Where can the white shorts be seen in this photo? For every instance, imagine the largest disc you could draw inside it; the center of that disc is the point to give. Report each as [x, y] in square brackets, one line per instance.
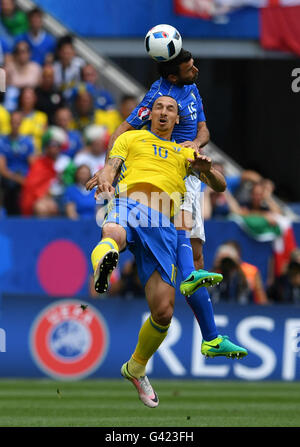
[193, 203]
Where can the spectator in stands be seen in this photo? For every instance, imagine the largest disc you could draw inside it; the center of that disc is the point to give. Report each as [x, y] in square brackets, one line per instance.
[85, 113]
[4, 121]
[93, 155]
[251, 272]
[5, 50]
[67, 68]
[14, 20]
[49, 97]
[127, 104]
[42, 45]
[79, 202]
[90, 81]
[216, 204]
[261, 201]
[42, 192]
[234, 287]
[220, 205]
[286, 287]
[34, 121]
[16, 155]
[21, 71]
[63, 118]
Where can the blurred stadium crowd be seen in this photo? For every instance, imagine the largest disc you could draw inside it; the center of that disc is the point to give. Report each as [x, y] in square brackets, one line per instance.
[55, 124]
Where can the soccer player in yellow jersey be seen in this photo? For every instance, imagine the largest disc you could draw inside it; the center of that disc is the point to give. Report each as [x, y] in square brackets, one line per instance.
[151, 183]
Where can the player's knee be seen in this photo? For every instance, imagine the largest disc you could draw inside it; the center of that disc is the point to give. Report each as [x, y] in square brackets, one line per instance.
[115, 232]
[163, 314]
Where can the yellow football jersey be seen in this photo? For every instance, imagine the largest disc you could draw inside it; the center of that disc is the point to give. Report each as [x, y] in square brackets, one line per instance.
[151, 159]
[34, 125]
[4, 121]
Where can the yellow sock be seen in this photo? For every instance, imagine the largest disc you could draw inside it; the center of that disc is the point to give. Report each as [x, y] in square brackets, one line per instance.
[151, 336]
[101, 249]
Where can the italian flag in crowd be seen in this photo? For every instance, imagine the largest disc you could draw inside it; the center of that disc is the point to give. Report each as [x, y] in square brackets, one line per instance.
[281, 235]
[279, 20]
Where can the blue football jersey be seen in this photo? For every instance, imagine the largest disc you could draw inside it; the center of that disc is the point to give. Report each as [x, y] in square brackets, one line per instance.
[190, 108]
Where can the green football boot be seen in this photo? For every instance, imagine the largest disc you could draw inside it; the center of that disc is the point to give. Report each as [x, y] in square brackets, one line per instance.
[197, 279]
[222, 346]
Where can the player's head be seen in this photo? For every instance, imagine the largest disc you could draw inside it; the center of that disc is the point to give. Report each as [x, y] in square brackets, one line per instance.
[164, 115]
[180, 70]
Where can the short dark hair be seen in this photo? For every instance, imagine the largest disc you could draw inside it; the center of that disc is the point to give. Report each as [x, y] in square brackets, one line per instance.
[173, 66]
[34, 11]
[64, 40]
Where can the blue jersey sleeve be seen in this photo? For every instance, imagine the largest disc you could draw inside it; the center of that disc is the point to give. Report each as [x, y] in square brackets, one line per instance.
[140, 115]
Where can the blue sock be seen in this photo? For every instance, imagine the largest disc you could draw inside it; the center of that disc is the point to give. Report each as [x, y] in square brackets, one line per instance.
[185, 259]
[201, 305]
[199, 302]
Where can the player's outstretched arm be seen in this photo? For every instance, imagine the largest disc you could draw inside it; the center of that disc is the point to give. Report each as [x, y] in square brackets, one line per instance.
[104, 178]
[207, 173]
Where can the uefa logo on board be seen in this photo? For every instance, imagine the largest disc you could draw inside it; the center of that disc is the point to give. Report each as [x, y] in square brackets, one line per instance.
[69, 339]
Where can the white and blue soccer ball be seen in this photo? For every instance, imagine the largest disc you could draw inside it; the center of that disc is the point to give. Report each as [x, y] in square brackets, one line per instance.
[163, 43]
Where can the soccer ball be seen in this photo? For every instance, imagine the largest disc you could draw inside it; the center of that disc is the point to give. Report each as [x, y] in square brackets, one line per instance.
[163, 43]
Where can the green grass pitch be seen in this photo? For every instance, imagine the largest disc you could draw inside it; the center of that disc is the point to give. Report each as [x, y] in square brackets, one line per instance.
[114, 403]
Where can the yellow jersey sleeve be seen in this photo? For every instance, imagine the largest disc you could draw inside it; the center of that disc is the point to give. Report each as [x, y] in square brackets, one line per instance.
[120, 147]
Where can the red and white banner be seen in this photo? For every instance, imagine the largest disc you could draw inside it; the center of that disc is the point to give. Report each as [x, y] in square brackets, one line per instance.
[279, 19]
[280, 26]
[207, 9]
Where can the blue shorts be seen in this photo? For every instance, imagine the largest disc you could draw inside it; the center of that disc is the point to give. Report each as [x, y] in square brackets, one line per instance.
[150, 235]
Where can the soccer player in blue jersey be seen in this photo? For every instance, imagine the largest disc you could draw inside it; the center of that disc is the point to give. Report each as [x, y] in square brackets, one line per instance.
[177, 79]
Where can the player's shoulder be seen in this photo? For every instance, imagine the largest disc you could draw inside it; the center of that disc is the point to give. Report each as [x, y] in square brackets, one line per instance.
[191, 88]
[160, 87]
[129, 136]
